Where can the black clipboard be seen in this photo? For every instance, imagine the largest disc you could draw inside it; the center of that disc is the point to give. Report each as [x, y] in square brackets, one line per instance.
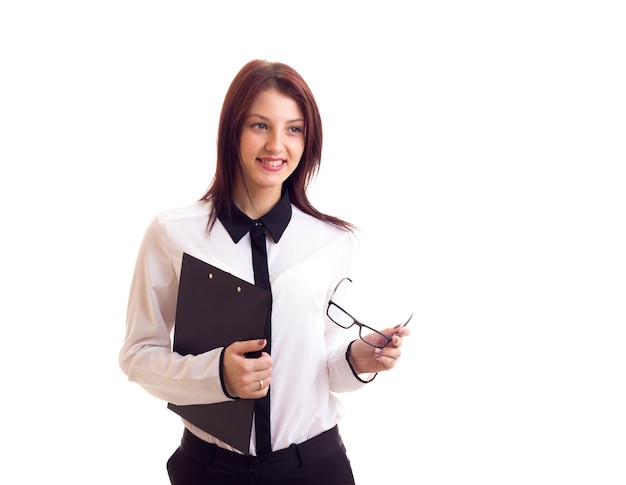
[214, 309]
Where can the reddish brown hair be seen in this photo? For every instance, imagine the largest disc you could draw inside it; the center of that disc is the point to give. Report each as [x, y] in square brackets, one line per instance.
[253, 78]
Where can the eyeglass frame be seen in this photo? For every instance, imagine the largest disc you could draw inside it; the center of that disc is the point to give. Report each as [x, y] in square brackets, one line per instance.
[356, 322]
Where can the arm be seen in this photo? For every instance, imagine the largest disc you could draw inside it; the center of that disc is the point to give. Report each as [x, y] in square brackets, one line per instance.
[146, 356]
[343, 376]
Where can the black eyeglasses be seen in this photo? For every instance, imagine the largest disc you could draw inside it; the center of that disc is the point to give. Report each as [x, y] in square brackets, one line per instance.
[342, 318]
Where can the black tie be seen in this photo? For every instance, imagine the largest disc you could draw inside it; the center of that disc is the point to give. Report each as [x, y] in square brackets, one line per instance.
[262, 279]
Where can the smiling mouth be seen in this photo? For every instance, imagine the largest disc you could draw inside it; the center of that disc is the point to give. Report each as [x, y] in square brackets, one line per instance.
[271, 163]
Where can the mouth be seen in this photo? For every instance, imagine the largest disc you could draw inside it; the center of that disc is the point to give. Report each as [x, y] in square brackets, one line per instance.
[271, 162]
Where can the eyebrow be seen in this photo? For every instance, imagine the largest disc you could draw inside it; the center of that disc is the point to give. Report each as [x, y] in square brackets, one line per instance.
[265, 118]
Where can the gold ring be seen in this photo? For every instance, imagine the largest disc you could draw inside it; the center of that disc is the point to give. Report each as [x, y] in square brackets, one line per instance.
[260, 383]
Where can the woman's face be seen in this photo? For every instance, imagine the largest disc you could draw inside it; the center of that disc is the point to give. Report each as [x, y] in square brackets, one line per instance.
[271, 143]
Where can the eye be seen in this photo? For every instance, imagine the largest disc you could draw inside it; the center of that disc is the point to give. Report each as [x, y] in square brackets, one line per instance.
[259, 125]
[295, 129]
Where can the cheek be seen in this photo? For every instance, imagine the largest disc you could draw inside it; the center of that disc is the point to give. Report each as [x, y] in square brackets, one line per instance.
[251, 143]
[297, 150]
[245, 144]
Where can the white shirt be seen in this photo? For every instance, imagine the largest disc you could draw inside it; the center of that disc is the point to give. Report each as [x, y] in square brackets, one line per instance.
[308, 350]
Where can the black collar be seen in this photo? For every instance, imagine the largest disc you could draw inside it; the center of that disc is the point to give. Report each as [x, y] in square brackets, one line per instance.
[275, 221]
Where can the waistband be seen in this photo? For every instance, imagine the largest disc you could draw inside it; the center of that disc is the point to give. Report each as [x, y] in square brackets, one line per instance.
[297, 455]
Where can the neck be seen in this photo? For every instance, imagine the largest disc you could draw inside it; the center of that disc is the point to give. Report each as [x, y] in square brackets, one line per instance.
[256, 205]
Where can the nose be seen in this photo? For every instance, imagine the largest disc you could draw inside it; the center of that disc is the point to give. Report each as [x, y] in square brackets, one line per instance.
[274, 142]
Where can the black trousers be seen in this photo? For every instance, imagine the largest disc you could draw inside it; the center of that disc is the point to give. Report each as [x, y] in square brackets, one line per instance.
[320, 460]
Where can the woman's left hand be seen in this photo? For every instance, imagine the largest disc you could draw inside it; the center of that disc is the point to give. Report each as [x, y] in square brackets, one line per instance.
[365, 358]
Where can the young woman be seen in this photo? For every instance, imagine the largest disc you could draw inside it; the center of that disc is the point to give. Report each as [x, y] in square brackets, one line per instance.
[269, 148]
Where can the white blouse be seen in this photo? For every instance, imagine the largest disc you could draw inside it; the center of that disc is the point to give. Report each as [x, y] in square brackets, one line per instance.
[308, 350]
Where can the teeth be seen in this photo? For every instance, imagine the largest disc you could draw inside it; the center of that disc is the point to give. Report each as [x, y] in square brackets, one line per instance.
[273, 163]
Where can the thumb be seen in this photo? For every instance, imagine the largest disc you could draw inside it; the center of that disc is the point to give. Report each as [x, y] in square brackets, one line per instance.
[246, 346]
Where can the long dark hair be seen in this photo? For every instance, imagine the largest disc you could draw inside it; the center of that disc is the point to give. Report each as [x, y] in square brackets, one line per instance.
[253, 78]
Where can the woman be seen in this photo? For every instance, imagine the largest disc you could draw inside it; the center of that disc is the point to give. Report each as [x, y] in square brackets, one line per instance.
[269, 148]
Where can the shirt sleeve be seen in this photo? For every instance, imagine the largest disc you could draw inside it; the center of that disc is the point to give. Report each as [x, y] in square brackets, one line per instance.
[342, 377]
[146, 356]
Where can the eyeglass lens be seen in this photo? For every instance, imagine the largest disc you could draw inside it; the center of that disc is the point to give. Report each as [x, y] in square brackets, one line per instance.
[339, 316]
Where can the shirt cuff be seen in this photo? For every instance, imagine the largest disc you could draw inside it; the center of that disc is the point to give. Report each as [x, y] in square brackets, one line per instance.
[352, 368]
[222, 376]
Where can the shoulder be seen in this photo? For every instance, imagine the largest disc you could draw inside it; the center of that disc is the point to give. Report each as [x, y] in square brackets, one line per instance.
[174, 231]
[189, 213]
[180, 222]
[317, 230]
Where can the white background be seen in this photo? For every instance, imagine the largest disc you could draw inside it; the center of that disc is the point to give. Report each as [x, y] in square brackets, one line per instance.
[478, 145]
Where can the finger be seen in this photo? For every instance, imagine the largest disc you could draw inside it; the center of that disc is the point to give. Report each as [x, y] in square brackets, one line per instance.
[397, 330]
[262, 365]
[404, 331]
[247, 346]
[385, 360]
[389, 351]
[396, 341]
[261, 386]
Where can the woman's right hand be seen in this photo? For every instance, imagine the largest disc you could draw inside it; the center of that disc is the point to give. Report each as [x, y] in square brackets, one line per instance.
[245, 377]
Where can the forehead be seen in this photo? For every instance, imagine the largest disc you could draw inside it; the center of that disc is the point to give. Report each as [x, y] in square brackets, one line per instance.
[273, 103]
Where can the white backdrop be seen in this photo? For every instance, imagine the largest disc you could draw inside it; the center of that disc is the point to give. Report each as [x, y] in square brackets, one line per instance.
[478, 145]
